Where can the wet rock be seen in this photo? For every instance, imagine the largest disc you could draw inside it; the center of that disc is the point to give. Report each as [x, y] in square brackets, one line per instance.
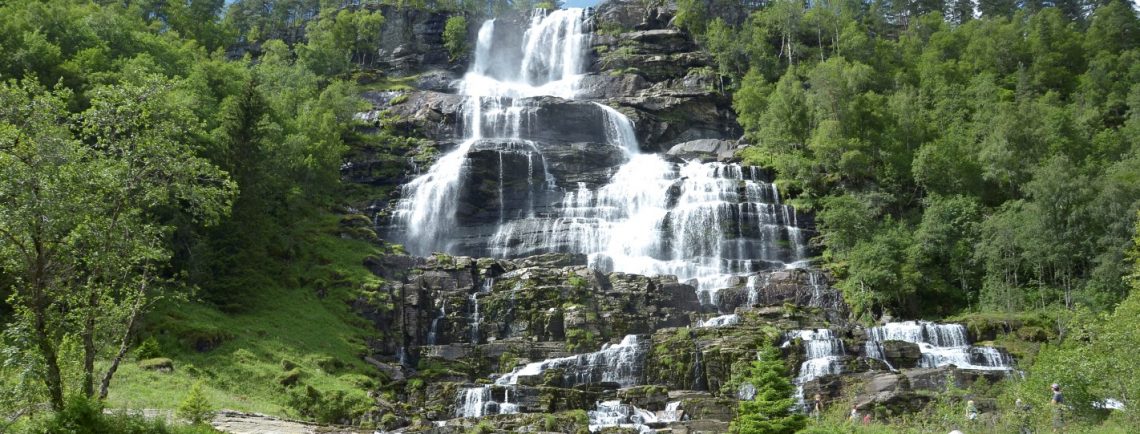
[704, 150]
[901, 354]
[437, 80]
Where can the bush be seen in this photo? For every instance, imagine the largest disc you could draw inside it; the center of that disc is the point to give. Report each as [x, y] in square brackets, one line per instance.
[148, 349]
[455, 36]
[196, 408]
[483, 427]
[334, 406]
[84, 416]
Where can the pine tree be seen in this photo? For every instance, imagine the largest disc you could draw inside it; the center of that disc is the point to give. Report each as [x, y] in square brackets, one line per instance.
[196, 408]
[770, 411]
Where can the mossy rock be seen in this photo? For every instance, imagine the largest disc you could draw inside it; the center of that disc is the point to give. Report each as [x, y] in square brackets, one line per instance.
[1033, 334]
[290, 378]
[160, 364]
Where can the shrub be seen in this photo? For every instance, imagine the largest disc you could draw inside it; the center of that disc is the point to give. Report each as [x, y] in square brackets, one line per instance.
[196, 408]
[148, 349]
[329, 406]
[455, 36]
[84, 416]
[483, 427]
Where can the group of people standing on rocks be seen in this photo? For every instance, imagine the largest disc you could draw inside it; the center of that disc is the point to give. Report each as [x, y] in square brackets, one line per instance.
[1022, 411]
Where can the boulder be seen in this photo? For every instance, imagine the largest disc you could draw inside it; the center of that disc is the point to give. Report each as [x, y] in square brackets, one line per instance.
[704, 150]
[901, 354]
[437, 80]
[659, 41]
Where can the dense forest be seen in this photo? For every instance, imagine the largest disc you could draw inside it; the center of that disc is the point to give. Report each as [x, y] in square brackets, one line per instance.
[965, 162]
[959, 158]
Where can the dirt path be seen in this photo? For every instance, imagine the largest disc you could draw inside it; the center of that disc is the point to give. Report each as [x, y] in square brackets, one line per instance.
[234, 422]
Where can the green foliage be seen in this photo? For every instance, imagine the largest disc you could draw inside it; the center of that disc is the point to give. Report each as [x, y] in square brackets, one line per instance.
[196, 407]
[149, 349]
[691, 15]
[84, 416]
[455, 36]
[771, 409]
[483, 427]
[941, 168]
[332, 406]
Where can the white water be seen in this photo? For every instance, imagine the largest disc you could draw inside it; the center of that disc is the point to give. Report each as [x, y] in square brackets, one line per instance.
[823, 354]
[703, 221]
[615, 414]
[553, 62]
[621, 363]
[720, 321]
[433, 335]
[940, 344]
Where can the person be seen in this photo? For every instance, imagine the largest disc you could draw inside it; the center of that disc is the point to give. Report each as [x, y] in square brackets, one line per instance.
[1058, 404]
[817, 407]
[854, 414]
[971, 410]
[867, 419]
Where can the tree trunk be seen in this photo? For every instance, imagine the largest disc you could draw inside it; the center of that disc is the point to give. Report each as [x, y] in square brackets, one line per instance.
[89, 349]
[124, 343]
[52, 377]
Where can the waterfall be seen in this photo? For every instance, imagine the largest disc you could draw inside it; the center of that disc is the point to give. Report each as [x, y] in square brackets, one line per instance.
[672, 412]
[940, 344]
[702, 221]
[621, 363]
[433, 335]
[823, 354]
[720, 321]
[615, 414]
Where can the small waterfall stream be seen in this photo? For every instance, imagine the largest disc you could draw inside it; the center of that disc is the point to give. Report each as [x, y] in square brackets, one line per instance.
[621, 363]
[823, 354]
[940, 344]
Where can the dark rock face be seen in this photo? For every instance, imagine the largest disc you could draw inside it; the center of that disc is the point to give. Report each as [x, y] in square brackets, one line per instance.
[901, 354]
[662, 120]
[411, 40]
[704, 150]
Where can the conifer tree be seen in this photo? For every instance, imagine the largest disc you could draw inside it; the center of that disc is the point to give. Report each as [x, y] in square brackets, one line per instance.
[770, 410]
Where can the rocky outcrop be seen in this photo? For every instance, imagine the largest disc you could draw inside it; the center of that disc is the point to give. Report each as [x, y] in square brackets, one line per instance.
[704, 150]
[901, 354]
[411, 40]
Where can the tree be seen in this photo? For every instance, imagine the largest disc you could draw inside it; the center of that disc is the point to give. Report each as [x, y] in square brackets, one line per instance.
[455, 36]
[80, 213]
[195, 408]
[770, 411]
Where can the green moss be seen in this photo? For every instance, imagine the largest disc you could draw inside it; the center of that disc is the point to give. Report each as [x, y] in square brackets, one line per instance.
[157, 364]
[399, 99]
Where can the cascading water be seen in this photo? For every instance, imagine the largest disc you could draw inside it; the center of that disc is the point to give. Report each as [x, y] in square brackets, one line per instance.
[940, 344]
[621, 363]
[433, 335]
[703, 221]
[823, 354]
[720, 321]
[609, 414]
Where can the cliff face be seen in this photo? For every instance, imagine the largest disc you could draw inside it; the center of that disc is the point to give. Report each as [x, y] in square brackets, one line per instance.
[538, 340]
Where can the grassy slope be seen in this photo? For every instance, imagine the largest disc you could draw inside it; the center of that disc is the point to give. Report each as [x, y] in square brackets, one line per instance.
[322, 336]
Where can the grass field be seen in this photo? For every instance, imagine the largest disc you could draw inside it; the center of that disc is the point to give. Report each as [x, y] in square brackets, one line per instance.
[243, 358]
